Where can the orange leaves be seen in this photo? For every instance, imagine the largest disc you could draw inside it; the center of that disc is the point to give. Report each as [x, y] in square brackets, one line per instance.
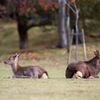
[27, 6]
[48, 5]
[24, 6]
[72, 1]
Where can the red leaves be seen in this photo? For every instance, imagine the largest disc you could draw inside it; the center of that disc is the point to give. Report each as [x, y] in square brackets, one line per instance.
[23, 6]
[48, 5]
[72, 1]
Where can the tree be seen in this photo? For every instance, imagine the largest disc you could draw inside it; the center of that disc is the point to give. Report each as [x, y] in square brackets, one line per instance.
[26, 10]
[64, 22]
[61, 24]
[31, 13]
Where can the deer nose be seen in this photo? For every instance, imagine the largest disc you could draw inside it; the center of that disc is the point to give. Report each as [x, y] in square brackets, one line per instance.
[5, 62]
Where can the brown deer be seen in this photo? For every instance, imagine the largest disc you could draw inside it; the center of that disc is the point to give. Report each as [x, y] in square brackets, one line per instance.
[84, 69]
[25, 72]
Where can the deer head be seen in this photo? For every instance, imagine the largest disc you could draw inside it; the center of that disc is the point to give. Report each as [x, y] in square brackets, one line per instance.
[97, 54]
[12, 59]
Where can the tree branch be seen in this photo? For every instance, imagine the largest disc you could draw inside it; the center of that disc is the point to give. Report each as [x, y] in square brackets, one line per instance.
[42, 23]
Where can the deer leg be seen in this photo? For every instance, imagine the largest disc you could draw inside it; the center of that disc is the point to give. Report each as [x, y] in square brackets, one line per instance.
[96, 76]
[92, 77]
[7, 77]
[20, 76]
[78, 75]
[44, 76]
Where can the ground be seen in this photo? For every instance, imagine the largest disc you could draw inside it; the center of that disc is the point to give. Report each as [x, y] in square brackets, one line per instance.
[54, 61]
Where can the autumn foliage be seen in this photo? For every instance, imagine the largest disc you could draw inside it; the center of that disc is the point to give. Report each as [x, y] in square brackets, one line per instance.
[48, 5]
[27, 6]
[72, 1]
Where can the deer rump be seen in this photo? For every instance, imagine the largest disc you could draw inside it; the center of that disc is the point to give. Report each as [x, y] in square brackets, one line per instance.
[31, 72]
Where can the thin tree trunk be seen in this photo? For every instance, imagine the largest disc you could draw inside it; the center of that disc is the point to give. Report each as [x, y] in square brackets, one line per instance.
[68, 27]
[83, 19]
[77, 30]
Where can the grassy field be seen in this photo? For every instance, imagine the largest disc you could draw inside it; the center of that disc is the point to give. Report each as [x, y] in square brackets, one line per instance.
[53, 60]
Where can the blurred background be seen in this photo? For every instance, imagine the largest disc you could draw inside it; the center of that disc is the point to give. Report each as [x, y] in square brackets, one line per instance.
[32, 24]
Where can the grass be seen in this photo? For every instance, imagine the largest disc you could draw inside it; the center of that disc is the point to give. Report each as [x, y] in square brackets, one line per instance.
[52, 89]
[53, 60]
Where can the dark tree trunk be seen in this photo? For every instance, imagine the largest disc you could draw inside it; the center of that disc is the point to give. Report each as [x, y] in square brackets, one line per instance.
[22, 31]
[80, 40]
[23, 28]
[23, 39]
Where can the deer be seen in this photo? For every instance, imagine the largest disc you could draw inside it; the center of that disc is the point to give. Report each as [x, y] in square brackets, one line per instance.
[84, 69]
[33, 71]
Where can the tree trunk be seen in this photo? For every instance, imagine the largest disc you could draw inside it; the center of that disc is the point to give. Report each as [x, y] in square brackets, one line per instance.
[23, 39]
[68, 27]
[22, 31]
[61, 25]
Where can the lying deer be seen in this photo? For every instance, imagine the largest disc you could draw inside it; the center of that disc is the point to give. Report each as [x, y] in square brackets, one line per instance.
[25, 72]
[84, 69]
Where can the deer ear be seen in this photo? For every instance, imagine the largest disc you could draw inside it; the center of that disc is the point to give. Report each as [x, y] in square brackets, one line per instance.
[17, 54]
[96, 52]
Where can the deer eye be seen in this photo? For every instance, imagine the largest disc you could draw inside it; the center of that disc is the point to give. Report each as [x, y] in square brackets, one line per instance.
[9, 58]
[14, 56]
